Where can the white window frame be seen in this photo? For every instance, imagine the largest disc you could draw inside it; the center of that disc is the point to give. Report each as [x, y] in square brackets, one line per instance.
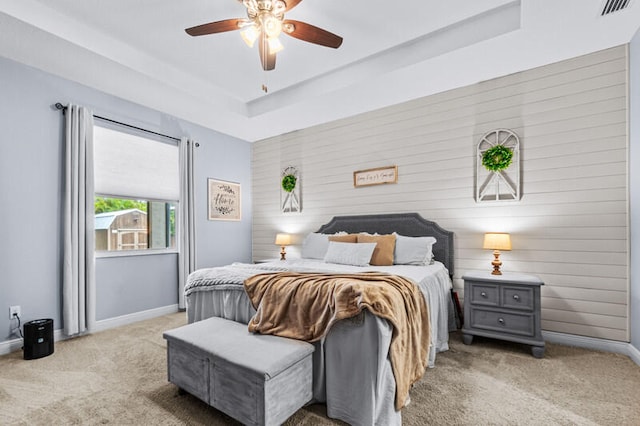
[142, 197]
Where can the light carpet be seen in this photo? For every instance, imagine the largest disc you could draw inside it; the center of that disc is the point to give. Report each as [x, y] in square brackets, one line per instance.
[119, 377]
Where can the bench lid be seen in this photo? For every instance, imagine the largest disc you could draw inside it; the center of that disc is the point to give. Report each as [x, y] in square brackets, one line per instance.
[264, 354]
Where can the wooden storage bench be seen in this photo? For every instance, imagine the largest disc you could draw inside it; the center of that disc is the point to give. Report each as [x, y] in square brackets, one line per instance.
[256, 379]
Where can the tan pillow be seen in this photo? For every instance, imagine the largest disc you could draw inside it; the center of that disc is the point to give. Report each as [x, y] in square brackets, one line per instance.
[383, 253]
[349, 238]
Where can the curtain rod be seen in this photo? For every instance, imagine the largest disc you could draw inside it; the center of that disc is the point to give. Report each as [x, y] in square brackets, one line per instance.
[63, 108]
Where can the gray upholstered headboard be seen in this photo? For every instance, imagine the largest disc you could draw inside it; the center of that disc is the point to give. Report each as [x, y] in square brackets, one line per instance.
[408, 224]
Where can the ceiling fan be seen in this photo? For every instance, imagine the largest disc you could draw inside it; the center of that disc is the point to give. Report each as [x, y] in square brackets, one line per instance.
[264, 23]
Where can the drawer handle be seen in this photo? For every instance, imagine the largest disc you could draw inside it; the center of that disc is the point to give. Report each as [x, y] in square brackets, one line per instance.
[516, 297]
[501, 321]
[483, 294]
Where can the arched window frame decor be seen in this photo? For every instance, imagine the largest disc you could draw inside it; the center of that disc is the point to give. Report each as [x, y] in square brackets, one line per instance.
[498, 185]
[290, 195]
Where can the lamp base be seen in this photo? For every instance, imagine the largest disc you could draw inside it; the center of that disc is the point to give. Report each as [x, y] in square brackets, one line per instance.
[283, 254]
[496, 263]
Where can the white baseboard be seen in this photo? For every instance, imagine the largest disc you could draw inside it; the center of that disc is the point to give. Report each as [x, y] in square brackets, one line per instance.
[135, 317]
[16, 344]
[634, 354]
[614, 346]
[10, 345]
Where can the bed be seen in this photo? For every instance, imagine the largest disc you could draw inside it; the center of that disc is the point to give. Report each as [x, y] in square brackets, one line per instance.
[352, 371]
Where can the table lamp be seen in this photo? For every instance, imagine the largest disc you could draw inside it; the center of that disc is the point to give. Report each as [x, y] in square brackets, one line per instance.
[496, 241]
[283, 240]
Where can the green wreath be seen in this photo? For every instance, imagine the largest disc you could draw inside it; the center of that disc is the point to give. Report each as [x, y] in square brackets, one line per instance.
[497, 158]
[289, 183]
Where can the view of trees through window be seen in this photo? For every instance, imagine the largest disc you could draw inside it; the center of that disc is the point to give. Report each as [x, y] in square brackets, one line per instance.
[103, 204]
[126, 224]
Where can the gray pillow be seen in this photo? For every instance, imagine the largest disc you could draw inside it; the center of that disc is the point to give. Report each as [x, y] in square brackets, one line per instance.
[315, 246]
[413, 250]
[356, 254]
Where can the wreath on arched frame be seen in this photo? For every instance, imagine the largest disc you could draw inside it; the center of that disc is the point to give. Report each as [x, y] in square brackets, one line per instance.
[498, 166]
[290, 198]
[289, 182]
[497, 158]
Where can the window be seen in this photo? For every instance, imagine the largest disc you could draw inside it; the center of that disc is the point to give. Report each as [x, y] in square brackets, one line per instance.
[136, 192]
[125, 224]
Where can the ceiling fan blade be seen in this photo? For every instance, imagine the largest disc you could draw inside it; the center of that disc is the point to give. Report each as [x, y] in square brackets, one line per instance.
[311, 33]
[291, 4]
[216, 27]
[267, 59]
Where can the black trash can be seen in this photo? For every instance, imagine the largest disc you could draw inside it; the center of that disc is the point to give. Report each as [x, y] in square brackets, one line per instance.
[38, 338]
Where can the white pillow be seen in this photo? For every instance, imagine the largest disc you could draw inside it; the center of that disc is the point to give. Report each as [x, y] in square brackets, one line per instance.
[413, 250]
[356, 254]
[315, 246]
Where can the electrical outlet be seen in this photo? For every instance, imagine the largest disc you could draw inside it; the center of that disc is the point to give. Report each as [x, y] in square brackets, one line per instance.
[14, 310]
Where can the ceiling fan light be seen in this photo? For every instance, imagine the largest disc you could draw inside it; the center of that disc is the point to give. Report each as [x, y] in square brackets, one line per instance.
[275, 45]
[272, 25]
[288, 27]
[250, 4]
[279, 7]
[249, 35]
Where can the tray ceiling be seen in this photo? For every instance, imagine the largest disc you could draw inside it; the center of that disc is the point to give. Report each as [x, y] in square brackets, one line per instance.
[392, 52]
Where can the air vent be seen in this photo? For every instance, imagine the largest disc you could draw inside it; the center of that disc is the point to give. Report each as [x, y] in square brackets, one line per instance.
[611, 6]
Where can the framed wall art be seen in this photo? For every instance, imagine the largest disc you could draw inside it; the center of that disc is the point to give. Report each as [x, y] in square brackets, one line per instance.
[377, 176]
[224, 200]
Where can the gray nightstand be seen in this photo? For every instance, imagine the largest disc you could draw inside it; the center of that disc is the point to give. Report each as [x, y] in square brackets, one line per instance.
[503, 307]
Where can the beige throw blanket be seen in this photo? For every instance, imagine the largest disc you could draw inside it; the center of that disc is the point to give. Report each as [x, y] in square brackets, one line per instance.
[305, 305]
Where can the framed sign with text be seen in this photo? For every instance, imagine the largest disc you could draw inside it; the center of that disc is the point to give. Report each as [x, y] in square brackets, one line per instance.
[377, 176]
[224, 200]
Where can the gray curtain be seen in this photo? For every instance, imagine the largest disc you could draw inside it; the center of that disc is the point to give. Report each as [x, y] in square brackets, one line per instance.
[78, 282]
[187, 215]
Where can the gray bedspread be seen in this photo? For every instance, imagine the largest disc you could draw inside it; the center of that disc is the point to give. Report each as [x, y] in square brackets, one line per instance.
[359, 393]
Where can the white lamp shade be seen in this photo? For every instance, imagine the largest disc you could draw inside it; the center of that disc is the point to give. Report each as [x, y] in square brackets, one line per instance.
[283, 239]
[249, 34]
[497, 241]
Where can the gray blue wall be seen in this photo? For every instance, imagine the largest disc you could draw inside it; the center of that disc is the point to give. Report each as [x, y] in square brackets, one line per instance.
[634, 187]
[31, 169]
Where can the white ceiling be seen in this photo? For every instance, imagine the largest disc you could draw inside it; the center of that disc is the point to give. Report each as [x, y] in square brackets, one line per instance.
[392, 52]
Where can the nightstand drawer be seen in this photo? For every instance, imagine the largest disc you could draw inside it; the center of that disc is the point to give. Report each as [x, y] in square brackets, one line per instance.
[484, 294]
[517, 298]
[520, 324]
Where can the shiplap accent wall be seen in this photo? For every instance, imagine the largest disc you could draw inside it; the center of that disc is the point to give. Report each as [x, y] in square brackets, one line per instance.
[570, 226]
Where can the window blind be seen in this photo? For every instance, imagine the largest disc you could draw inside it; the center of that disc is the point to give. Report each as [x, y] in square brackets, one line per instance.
[132, 166]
